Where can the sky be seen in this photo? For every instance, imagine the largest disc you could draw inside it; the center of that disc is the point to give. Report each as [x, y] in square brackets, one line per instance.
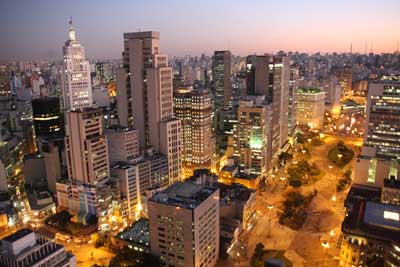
[37, 29]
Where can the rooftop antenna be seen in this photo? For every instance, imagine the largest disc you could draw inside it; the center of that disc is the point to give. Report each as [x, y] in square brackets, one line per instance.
[138, 29]
[366, 47]
[351, 48]
[398, 44]
[372, 47]
[70, 20]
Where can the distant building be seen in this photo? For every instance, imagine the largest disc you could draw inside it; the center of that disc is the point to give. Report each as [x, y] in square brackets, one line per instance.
[184, 225]
[292, 103]
[221, 70]
[310, 107]
[391, 191]
[135, 237]
[47, 116]
[27, 248]
[194, 109]
[76, 81]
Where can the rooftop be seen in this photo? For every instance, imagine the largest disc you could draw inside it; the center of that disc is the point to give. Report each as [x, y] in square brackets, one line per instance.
[18, 235]
[187, 195]
[309, 91]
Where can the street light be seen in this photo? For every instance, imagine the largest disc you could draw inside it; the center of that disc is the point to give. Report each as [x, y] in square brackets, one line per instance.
[325, 245]
[332, 234]
[334, 200]
[270, 207]
[340, 156]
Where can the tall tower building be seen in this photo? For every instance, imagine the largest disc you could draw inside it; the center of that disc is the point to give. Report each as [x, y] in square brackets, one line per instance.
[184, 225]
[194, 109]
[292, 103]
[280, 72]
[380, 155]
[222, 68]
[145, 100]
[87, 164]
[257, 75]
[252, 142]
[75, 78]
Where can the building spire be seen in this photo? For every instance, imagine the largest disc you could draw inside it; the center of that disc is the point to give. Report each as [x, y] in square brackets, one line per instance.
[72, 36]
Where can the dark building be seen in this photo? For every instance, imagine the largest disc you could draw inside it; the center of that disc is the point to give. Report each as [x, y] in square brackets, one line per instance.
[47, 116]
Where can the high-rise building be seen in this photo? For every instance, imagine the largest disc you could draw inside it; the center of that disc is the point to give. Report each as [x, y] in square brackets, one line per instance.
[5, 82]
[27, 248]
[252, 142]
[279, 84]
[345, 77]
[257, 75]
[292, 104]
[383, 119]
[194, 109]
[47, 116]
[75, 78]
[222, 68]
[145, 100]
[123, 143]
[310, 107]
[87, 164]
[184, 225]
[380, 155]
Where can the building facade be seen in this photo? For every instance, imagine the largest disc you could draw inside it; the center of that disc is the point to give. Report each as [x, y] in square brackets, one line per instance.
[184, 225]
[76, 81]
[194, 109]
[145, 100]
[26, 248]
[47, 116]
[310, 107]
[252, 138]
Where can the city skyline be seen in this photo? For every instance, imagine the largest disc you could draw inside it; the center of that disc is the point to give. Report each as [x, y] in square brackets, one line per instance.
[192, 28]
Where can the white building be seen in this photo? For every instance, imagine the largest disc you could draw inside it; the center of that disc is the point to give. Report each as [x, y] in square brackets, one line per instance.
[75, 78]
[26, 248]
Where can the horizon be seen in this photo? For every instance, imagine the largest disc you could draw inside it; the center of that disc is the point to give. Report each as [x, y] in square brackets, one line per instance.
[306, 26]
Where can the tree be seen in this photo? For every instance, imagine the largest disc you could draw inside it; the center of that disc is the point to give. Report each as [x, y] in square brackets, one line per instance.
[256, 259]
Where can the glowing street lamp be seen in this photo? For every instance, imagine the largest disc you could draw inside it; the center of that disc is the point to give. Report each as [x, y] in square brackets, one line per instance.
[270, 207]
[340, 156]
[325, 245]
[332, 234]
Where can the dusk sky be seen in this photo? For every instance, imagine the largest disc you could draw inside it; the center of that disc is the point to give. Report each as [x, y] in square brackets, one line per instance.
[37, 29]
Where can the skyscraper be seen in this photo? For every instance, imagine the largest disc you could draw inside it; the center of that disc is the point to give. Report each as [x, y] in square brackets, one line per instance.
[257, 75]
[194, 109]
[222, 68]
[292, 103]
[184, 225]
[280, 72]
[252, 142]
[145, 99]
[87, 164]
[47, 116]
[75, 78]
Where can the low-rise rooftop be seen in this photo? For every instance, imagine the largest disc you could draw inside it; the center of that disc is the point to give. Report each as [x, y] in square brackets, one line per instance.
[187, 195]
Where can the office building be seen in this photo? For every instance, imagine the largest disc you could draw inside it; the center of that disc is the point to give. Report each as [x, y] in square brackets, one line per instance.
[257, 75]
[145, 100]
[380, 153]
[292, 103]
[252, 138]
[27, 248]
[87, 164]
[310, 107]
[134, 178]
[345, 77]
[184, 225]
[75, 78]
[123, 143]
[194, 109]
[47, 116]
[279, 84]
[221, 71]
